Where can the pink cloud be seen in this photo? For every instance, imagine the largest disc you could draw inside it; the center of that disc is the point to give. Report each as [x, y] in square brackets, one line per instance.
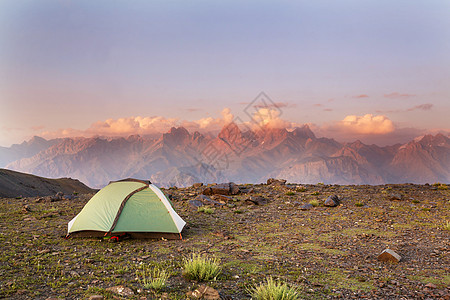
[361, 96]
[426, 106]
[396, 95]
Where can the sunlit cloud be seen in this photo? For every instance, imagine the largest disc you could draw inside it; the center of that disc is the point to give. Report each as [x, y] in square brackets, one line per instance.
[426, 106]
[143, 126]
[361, 96]
[396, 95]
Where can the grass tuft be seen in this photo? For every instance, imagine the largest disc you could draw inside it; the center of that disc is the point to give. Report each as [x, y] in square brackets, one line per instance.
[447, 226]
[206, 209]
[152, 277]
[273, 290]
[359, 204]
[290, 193]
[200, 267]
[314, 202]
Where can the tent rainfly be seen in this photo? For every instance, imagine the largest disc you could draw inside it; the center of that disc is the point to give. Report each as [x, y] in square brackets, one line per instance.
[135, 207]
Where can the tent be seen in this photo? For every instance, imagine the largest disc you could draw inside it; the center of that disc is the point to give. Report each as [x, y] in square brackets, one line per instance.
[130, 206]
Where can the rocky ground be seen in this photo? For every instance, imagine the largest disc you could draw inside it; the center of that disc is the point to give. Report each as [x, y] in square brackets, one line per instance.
[263, 230]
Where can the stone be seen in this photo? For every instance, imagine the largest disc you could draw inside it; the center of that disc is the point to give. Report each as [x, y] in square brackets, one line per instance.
[229, 188]
[395, 196]
[223, 198]
[258, 200]
[389, 255]
[96, 297]
[306, 206]
[204, 292]
[273, 181]
[431, 285]
[197, 185]
[121, 290]
[206, 200]
[195, 203]
[332, 201]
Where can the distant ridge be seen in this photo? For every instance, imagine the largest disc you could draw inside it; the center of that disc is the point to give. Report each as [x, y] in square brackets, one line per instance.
[179, 158]
[14, 184]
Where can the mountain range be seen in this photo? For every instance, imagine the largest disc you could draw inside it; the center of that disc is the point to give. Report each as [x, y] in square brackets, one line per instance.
[180, 158]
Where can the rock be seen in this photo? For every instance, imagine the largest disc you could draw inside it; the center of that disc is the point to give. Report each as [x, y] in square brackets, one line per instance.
[389, 255]
[431, 286]
[207, 200]
[306, 206]
[195, 203]
[229, 188]
[273, 181]
[121, 290]
[197, 185]
[96, 297]
[58, 197]
[395, 196]
[332, 201]
[258, 200]
[26, 208]
[223, 198]
[204, 292]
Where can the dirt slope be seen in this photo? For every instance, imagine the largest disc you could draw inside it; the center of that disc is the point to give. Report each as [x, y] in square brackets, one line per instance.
[15, 184]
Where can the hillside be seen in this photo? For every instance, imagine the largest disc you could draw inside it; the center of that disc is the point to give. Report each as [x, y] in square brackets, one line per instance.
[179, 158]
[326, 252]
[14, 184]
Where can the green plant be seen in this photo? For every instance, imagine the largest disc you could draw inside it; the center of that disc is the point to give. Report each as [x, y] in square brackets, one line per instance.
[206, 209]
[273, 290]
[314, 202]
[301, 189]
[238, 211]
[290, 193]
[200, 267]
[447, 225]
[315, 193]
[152, 277]
[359, 204]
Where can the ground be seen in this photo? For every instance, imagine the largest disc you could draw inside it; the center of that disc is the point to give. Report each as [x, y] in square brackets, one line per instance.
[326, 252]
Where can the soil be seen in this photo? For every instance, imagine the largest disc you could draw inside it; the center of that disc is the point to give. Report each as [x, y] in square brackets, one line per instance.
[326, 252]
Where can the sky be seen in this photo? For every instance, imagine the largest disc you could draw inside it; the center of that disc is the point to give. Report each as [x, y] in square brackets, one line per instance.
[378, 71]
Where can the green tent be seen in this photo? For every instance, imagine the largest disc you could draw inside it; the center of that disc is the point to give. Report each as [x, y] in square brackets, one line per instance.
[130, 206]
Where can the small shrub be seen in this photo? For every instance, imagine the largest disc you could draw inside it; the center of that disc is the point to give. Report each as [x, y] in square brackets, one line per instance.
[442, 187]
[275, 290]
[152, 277]
[206, 209]
[415, 201]
[314, 202]
[359, 204]
[290, 193]
[238, 211]
[315, 193]
[447, 226]
[200, 267]
[301, 189]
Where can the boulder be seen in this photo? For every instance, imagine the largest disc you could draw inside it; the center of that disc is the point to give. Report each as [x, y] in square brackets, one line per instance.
[332, 201]
[121, 290]
[389, 255]
[229, 188]
[306, 206]
[204, 292]
[395, 196]
[197, 185]
[206, 200]
[258, 200]
[195, 203]
[273, 181]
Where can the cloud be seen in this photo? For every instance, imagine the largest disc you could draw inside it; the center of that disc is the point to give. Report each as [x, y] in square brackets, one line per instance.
[367, 124]
[426, 106]
[396, 95]
[267, 117]
[361, 96]
[143, 126]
